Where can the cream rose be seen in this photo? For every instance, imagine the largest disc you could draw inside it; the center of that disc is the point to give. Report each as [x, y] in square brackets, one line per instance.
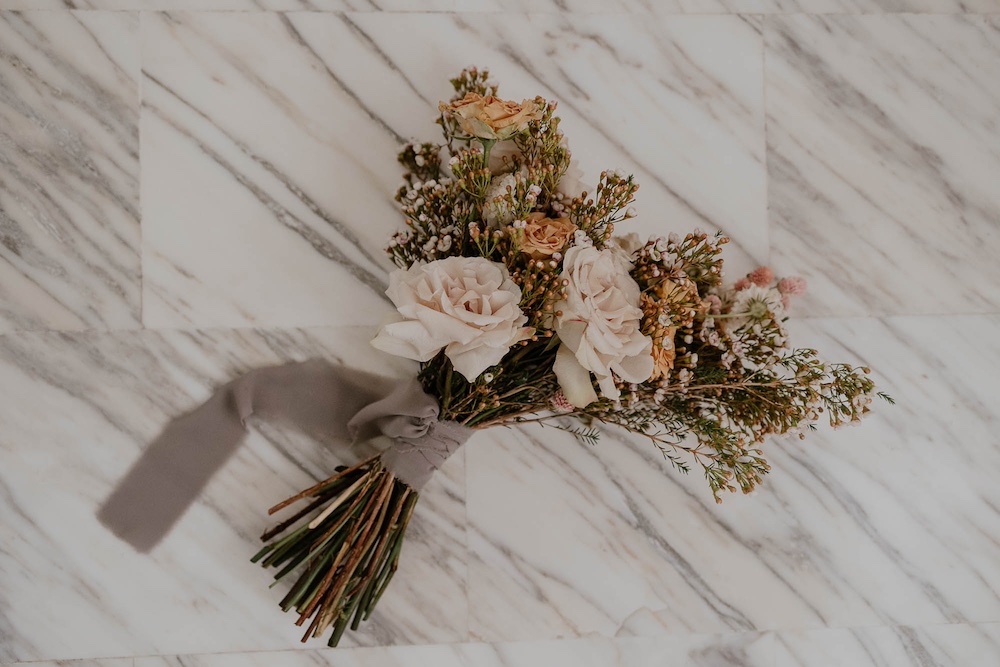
[502, 157]
[497, 211]
[466, 305]
[491, 117]
[544, 236]
[599, 327]
[625, 246]
[571, 183]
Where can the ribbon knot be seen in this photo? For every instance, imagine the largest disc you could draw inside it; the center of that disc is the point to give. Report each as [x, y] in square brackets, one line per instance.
[421, 443]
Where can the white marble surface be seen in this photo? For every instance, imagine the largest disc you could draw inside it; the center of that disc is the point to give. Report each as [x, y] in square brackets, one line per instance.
[883, 161]
[944, 645]
[187, 195]
[69, 171]
[604, 7]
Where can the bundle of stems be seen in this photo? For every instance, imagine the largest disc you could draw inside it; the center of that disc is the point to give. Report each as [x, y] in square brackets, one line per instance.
[346, 553]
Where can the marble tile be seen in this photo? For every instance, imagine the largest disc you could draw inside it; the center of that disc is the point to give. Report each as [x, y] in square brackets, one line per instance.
[269, 141]
[927, 646]
[892, 522]
[883, 161]
[105, 662]
[69, 170]
[749, 6]
[644, 7]
[751, 650]
[281, 216]
[80, 407]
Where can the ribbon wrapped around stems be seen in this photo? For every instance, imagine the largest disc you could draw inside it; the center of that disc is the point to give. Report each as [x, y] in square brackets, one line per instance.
[345, 543]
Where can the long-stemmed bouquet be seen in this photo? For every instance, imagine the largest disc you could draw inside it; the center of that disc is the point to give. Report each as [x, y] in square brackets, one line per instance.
[522, 303]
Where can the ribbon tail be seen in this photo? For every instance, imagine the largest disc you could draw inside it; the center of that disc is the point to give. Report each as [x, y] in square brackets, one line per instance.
[315, 397]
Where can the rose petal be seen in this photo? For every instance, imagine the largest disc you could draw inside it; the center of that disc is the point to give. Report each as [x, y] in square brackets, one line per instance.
[408, 339]
[473, 361]
[573, 378]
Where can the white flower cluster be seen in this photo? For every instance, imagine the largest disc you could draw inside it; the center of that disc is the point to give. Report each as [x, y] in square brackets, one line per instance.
[415, 202]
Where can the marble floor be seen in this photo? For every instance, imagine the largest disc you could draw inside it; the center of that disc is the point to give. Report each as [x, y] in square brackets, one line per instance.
[193, 188]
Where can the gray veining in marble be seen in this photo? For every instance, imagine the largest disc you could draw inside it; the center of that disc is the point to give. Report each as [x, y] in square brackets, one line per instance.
[69, 171]
[929, 646]
[750, 650]
[603, 7]
[883, 161]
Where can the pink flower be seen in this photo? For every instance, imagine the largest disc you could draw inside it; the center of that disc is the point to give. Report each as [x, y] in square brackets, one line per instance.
[560, 403]
[792, 286]
[741, 284]
[714, 304]
[762, 276]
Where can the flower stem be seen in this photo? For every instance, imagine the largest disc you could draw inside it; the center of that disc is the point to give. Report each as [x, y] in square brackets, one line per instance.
[487, 148]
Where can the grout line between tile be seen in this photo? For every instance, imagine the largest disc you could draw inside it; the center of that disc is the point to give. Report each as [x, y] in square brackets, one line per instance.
[142, 234]
[468, 548]
[765, 20]
[495, 12]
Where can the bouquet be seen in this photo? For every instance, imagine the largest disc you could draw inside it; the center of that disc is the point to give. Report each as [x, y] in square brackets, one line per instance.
[523, 304]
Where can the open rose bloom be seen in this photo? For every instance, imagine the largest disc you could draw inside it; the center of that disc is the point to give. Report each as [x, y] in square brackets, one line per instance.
[490, 117]
[599, 326]
[521, 300]
[467, 306]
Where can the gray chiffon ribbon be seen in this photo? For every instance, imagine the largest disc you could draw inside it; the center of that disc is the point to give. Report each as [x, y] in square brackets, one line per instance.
[420, 442]
[315, 397]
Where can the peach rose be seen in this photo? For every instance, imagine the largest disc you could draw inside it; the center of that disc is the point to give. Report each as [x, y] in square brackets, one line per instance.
[490, 117]
[544, 237]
